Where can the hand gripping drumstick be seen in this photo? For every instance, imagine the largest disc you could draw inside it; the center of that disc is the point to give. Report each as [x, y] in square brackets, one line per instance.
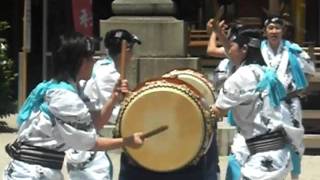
[123, 59]
[154, 132]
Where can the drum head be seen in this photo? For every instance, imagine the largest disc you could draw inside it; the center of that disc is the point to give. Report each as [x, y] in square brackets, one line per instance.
[156, 106]
[197, 80]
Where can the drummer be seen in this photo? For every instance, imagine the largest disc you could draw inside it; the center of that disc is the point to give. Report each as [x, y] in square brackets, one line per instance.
[99, 89]
[254, 93]
[55, 117]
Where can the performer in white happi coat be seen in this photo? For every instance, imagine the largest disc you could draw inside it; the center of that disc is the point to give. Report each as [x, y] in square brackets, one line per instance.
[274, 30]
[93, 165]
[225, 67]
[54, 118]
[97, 165]
[291, 64]
[254, 95]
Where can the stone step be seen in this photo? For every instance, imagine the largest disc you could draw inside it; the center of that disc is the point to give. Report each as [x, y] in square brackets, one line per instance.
[225, 134]
[312, 141]
[311, 114]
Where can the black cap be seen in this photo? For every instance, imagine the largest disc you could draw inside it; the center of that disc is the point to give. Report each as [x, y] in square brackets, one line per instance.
[113, 40]
[250, 37]
[117, 35]
[274, 19]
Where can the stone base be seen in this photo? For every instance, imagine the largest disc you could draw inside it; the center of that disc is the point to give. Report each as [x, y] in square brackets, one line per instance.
[160, 36]
[149, 68]
[143, 7]
[142, 69]
[225, 134]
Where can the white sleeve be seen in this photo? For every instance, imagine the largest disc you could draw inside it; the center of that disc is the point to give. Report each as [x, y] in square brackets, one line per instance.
[91, 93]
[238, 88]
[68, 106]
[306, 63]
[74, 138]
[106, 80]
[99, 88]
[73, 120]
[221, 73]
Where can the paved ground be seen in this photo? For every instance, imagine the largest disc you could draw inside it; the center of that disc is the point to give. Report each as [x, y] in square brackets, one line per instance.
[310, 164]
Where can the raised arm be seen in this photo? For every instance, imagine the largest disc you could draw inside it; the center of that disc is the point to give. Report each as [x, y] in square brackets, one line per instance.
[213, 49]
[219, 28]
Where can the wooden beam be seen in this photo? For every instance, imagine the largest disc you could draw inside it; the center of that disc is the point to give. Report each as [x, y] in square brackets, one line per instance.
[24, 54]
[22, 84]
[298, 10]
[274, 6]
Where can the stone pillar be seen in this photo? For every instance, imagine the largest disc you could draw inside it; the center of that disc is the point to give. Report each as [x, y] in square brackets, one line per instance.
[160, 35]
[164, 41]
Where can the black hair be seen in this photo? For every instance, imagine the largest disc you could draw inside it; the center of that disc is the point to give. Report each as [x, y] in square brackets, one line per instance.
[234, 29]
[251, 38]
[113, 40]
[246, 36]
[254, 56]
[67, 59]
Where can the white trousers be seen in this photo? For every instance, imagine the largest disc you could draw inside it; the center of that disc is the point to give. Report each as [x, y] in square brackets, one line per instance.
[99, 167]
[18, 170]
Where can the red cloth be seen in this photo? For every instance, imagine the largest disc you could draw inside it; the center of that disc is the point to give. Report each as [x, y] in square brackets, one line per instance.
[82, 16]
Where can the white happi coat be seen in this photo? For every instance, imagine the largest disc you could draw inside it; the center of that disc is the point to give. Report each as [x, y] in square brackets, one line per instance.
[71, 126]
[100, 86]
[224, 69]
[98, 89]
[255, 116]
[280, 61]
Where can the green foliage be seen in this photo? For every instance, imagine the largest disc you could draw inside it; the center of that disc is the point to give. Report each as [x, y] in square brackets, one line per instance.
[4, 25]
[7, 76]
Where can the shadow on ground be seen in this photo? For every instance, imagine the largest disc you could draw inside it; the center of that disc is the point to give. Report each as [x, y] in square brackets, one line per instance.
[4, 128]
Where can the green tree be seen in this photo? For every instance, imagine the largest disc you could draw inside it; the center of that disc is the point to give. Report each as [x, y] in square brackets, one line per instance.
[7, 76]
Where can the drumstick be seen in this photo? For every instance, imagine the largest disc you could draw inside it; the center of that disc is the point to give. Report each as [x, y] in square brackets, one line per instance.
[219, 14]
[154, 131]
[123, 59]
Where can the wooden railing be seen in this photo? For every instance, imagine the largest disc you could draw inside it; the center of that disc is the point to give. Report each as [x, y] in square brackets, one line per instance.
[198, 39]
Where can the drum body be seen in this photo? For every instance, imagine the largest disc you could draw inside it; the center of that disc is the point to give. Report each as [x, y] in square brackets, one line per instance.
[176, 104]
[197, 80]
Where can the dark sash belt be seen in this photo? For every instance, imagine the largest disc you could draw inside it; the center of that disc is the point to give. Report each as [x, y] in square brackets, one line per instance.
[270, 141]
[35, 155]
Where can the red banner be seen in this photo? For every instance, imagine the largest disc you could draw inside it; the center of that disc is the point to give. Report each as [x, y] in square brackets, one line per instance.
[82, 16]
